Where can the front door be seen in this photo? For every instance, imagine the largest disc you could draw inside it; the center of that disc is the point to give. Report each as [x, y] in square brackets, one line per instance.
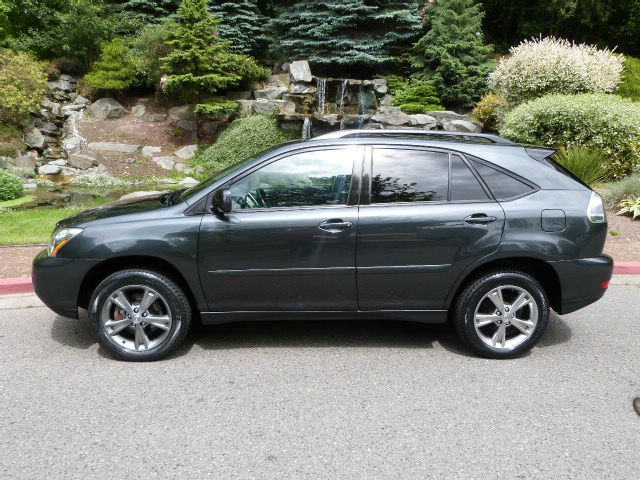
[289, 243]
[427, 219]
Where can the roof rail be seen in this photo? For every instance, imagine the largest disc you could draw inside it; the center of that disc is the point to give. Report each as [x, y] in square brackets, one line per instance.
[414, 132]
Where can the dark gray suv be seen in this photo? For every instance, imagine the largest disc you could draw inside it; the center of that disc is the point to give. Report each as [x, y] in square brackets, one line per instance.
[407, 225]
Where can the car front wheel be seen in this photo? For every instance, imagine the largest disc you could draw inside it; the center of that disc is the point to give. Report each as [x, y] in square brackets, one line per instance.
[140, 315]
[502, 314]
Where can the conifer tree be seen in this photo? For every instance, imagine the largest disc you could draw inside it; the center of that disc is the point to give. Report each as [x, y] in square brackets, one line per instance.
[148, 11]
[199, 64]
[114, 69]
[242, 25]
[347, 33]
[453, 53]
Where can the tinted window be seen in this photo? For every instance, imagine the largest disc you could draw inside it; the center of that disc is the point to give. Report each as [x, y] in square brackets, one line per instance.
[502, 186]
[301, 180]
[409, 176]
[464, 185]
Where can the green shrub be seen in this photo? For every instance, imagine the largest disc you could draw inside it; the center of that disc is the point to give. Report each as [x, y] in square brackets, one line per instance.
[630, 207]
[607, 122]
[630, 87]
[10, 139]
[245, 138]
[216, 106]
[588, 164]
[10, 186]
[23, 84]
[413, 95]
[490, 110]
[114, 70]
[623, 190]
[148, 48]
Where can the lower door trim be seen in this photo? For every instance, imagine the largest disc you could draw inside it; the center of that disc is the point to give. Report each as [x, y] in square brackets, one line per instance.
[420, 316]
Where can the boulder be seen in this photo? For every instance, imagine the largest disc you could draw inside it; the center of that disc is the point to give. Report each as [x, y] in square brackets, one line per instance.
[301, 101]
[165, 162]
[190, 125]
[45, 127]
[71, 108]
[442, 116]
[155, 117]
[210, 127]
[180, 167]
[78, 160]
[380, 86]
[184, 112]
[279, 80]
[302, 89]
[24, 161]
[142, 194]
[138, 110]
[65, 84]
[270, 93]
[72, 144]
[34, 138]
[69, 171]
[462, 125]
[270, 106]
[4, 163]
[186, 152]
[189, 182]
[49, 170]
[241, 95]
[426, 122]
[30, 186]
[81, 100]
[300, 71]
[113, 147]
[60, 163]
[104, 108]
[392, 116]
[149, 151]
[246, 107]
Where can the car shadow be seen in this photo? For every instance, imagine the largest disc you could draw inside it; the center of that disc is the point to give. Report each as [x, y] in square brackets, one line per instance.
[78, 333]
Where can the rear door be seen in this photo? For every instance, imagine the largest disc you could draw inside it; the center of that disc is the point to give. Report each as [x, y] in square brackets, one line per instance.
[424, 218]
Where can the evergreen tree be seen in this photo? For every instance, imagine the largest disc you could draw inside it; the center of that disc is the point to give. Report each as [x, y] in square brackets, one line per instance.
[114, 70]
[147, 11]
[453, 53]
[345, 34]
[199, 64]
[242, 25]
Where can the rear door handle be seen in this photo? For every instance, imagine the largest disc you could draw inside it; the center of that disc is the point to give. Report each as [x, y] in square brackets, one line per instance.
[334, 225]
[479, 219]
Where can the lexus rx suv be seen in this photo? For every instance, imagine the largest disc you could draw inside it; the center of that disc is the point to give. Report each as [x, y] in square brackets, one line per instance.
[409, 225]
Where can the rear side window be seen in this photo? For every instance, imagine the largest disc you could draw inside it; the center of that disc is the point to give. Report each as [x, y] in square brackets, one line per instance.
[464, 184]
[409, 176]
[502, 186]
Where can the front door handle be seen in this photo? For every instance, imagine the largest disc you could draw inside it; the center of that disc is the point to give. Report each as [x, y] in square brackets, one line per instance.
[335, 225]
[480, 219]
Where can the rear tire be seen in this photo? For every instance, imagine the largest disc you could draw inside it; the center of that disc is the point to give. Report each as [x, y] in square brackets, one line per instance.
[501, 314]
[140, 315]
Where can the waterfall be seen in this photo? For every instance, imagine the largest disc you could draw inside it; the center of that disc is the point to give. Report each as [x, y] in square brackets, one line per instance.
[342, 95]
[321, 94]
[306, 129]
[362, 106]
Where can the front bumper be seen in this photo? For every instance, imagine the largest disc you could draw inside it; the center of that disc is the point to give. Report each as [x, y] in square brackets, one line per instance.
[582, 281]
[57, 282]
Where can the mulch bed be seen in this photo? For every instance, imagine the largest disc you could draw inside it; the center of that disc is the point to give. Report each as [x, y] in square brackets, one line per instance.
[16, 261]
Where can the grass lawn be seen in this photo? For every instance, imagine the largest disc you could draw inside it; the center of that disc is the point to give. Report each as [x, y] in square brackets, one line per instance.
[23, 227]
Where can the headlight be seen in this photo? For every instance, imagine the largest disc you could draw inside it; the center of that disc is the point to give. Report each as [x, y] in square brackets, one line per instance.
[60, 238]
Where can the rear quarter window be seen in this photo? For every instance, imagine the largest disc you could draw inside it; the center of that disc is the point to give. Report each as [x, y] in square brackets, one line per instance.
[502, 185]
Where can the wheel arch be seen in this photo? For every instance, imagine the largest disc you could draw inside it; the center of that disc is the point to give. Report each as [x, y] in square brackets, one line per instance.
[103, 269]
[537, 268]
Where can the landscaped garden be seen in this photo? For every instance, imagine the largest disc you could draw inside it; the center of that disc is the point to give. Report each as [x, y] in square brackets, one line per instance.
[99, 99]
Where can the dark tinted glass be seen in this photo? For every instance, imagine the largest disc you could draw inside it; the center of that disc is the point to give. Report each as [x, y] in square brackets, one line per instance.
[502, 186]
[301, 180]
[409, 176]
[464, 185]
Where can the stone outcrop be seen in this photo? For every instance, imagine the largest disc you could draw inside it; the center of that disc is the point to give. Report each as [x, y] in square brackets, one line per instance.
[105, 108]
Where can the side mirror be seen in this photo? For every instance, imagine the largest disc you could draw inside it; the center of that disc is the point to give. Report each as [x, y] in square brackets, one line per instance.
[222, 201]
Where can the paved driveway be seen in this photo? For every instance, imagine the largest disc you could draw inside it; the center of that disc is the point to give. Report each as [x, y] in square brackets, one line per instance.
[322, 400]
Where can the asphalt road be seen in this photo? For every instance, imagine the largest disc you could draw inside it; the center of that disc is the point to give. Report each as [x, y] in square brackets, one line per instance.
[322, 400]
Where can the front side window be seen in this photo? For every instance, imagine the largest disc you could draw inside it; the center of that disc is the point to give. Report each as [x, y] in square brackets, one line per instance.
[307, 179]
[409, 176]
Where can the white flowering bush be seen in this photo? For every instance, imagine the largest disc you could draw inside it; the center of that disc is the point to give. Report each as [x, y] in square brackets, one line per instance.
[607, 122]
[98, 181]
[550, 65]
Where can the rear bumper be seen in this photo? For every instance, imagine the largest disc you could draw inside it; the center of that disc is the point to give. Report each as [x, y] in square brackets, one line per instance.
[57, 282]
[583, 281]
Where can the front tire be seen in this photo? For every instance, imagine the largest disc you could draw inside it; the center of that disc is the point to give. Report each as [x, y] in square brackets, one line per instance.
[140, 315]
[502, 314]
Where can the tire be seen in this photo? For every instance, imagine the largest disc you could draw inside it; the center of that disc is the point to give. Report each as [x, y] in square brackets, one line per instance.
[129, 333]
[501, 333]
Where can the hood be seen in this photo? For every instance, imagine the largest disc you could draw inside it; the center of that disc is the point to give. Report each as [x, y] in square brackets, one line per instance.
[131, 206]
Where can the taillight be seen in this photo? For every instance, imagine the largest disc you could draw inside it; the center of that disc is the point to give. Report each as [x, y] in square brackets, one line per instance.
[595, 209]
[605, 284]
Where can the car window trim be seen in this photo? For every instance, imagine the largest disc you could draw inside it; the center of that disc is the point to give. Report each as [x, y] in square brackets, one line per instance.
[357, 161]
[534, 188]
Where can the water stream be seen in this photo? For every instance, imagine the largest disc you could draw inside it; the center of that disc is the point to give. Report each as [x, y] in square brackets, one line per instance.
[321, 95]
[306, 129]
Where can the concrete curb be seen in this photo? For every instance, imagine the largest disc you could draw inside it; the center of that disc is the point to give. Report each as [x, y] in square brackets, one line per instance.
[10, 286]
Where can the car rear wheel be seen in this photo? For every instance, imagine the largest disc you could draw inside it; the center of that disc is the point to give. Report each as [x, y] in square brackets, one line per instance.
[502, 314]
[140, 315]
